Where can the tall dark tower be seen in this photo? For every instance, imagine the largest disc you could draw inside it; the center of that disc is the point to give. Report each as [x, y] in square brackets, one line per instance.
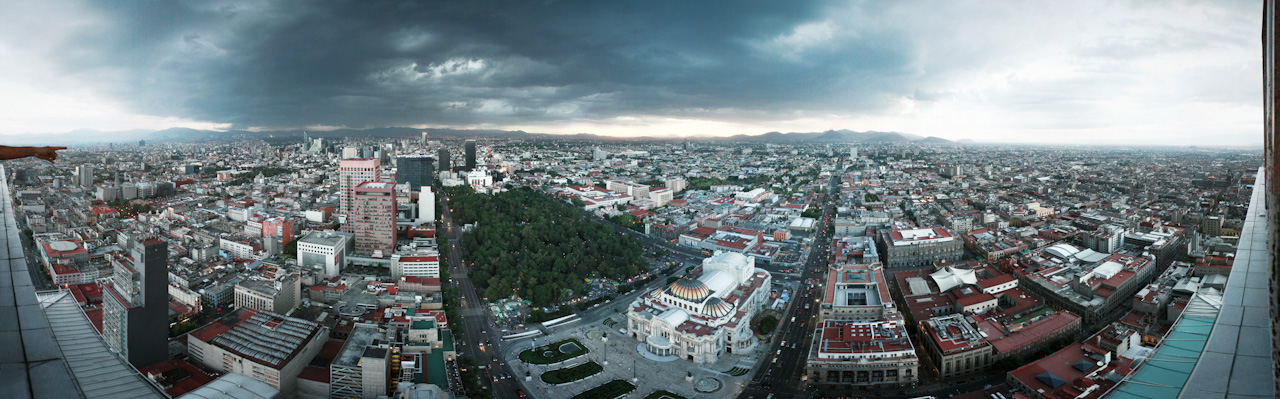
[135, 316]
[416, 170]
[470, 148]
[444, 160]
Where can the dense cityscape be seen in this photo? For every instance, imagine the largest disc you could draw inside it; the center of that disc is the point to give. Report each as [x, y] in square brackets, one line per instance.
[569, 199]
[321, 267]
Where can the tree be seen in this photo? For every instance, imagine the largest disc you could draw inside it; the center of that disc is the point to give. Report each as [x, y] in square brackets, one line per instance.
[812, 213]
[766, 325]
[538, 246]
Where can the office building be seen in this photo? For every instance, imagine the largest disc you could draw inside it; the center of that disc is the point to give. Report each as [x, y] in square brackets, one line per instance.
[353, 172]
[265, 346]
[635, 190]
[426, 206]
[84, 175]
[280, 294]
[280, 228]
[919, 247]
[425, 265]
[677, 184]
[373, 218]
[469, 149]
[325, 250]
[956, 346]
[352, 152]
[443, 157]
[875, 353]
[136, 304]
[415, 170]
[856, 292]
[360, 370]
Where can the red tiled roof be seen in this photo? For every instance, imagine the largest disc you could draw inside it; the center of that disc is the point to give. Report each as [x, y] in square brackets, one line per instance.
[190, 376]
[975, 299]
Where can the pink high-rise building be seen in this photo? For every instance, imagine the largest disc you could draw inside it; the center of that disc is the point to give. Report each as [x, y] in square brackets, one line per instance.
[373, 217]
[352, 172]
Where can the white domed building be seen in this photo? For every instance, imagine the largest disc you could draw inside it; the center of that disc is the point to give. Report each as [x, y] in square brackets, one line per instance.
[700, 318]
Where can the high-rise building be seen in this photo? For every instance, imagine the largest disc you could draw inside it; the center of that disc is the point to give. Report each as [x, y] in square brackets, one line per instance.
[373, 217]
[443, 156]
[470, 148]
[84, 175]
[285, 229]
[352, 152]
[416, 170]
[426, 205]
[136, 305]
[677, 184]
[352, 172]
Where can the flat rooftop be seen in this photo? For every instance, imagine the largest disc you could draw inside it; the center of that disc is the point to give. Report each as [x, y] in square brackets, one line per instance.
[354, 349]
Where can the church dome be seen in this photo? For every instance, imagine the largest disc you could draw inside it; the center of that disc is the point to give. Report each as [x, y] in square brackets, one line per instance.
[689, 289]
[717, 308]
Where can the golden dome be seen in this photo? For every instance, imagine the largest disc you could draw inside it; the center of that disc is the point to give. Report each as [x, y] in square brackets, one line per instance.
[689, 289]
[717, 307]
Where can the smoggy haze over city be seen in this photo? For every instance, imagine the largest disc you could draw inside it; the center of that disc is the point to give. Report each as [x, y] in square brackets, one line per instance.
[1176, 72]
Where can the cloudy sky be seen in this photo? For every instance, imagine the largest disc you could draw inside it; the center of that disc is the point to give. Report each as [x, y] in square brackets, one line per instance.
[1110, 72]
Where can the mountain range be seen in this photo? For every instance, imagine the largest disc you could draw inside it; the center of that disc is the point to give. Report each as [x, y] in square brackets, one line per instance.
[89, 136]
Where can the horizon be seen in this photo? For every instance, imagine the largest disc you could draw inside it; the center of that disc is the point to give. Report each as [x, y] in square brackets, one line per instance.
[1093, 73]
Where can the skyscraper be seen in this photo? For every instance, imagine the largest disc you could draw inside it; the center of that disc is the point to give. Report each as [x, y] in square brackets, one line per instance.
[444, 160]
[426, 205]
[84, 175]
[415, 170]
[352, 172]
[373, 217]
[136, 305]
[470, 148]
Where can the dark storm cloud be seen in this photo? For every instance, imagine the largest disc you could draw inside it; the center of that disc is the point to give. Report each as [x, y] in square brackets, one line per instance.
[287, 64]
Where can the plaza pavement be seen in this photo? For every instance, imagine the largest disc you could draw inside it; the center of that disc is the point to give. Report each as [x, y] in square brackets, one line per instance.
[626, 363]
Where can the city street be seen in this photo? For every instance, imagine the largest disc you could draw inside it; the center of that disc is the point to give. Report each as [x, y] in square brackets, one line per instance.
[779, 373]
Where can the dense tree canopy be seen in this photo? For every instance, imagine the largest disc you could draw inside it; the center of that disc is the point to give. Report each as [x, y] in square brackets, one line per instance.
[538, 248]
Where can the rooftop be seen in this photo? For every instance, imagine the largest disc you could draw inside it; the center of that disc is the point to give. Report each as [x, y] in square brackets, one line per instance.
[267, 338]
[361, 337]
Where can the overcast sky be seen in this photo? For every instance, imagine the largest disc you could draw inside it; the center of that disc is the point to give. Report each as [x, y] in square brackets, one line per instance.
[1105, 72]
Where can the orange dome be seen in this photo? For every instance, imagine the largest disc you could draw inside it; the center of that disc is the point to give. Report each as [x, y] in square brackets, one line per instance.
[689, 289]
[717, 307]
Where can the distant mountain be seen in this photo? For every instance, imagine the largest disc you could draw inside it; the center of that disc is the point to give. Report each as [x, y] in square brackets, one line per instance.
[934, 140]
[88, 136]
[838, 136]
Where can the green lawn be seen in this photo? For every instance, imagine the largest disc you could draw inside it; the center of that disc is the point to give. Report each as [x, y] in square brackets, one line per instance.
[609, 390]
[560, 376]
[661, 394]
[538, 355]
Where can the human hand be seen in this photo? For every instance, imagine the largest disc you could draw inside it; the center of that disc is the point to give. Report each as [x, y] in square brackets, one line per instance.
[48, 153]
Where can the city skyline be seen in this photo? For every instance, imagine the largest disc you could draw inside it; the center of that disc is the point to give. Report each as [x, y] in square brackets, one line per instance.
[1122, 74]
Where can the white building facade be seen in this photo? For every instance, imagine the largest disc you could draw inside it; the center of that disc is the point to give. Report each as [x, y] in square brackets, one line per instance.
[700, 319]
